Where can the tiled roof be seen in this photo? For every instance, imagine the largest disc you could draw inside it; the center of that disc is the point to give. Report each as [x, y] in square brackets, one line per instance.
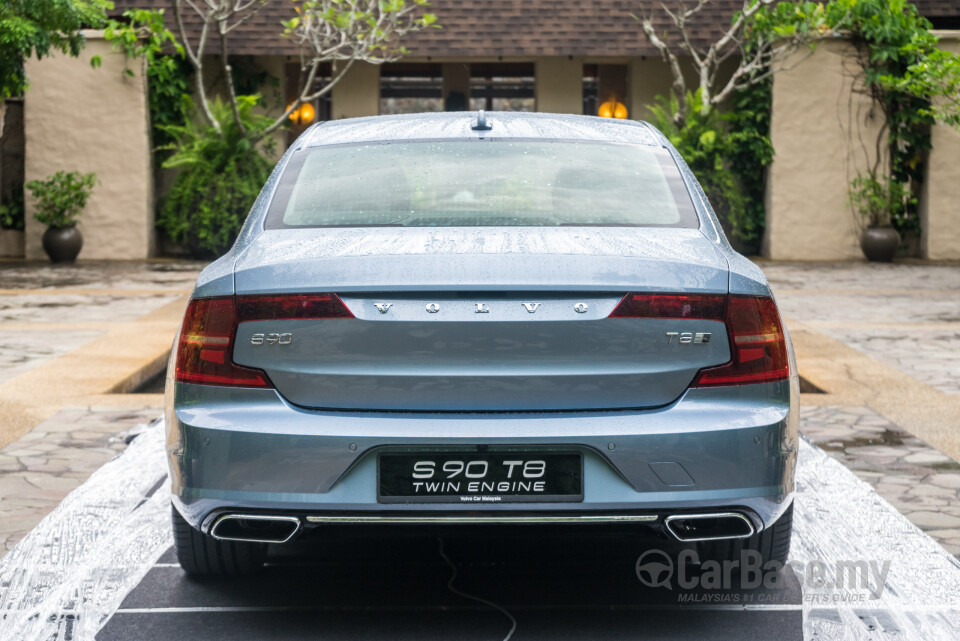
[488, 27]
[511, 27]
[938, 8]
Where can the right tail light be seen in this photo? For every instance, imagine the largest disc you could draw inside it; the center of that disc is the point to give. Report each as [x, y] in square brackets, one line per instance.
[758, 346]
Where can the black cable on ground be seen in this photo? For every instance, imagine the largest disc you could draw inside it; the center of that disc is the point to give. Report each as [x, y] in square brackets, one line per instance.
[491, 604]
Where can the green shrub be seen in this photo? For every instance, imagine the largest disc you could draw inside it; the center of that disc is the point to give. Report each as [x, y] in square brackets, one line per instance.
[220, 175]
[61, 197]
[11, 211]
[750, 152]
[880, 200]
[703, 142]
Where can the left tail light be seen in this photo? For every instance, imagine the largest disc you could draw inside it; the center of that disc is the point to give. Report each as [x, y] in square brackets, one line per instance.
[205, 351]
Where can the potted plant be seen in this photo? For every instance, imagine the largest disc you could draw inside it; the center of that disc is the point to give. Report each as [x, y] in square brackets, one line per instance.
[11, 224]
[878, 201]
[59, 200]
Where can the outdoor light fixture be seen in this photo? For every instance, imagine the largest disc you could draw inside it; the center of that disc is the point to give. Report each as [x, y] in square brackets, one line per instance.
[303, 115]
[612, 109]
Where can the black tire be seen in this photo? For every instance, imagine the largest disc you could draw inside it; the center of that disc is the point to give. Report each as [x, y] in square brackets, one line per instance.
[202, 555]
[773, 543]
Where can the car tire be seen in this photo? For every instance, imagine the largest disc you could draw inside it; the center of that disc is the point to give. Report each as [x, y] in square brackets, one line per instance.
[200, 554]
[772, 542]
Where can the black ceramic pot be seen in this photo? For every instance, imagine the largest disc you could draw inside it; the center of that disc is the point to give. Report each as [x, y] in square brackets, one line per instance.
[62, 244]
[880, 244]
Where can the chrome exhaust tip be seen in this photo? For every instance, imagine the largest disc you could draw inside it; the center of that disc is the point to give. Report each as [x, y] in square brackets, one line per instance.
[709, 527]
[255, 528]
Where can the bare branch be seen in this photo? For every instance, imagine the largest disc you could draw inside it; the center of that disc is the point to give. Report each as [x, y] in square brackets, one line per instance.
[228, 77]
[324, 31]
[758, 60]
[196, 58]
[679, 83]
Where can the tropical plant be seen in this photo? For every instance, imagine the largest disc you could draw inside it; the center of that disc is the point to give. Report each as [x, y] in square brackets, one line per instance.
[702, 141]
[750, 153]
[762, 36]
[61, 197]
[880, 199]
[220, 174]
[335, 32]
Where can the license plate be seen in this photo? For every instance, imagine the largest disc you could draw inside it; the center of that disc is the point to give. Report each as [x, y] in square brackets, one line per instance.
[480, 478]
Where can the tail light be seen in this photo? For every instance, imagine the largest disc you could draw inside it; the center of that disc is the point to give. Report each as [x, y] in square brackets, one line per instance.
[758, 347]
[205, 350]
[702, 306]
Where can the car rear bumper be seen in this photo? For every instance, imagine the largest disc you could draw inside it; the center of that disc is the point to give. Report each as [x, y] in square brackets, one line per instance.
[239, 450]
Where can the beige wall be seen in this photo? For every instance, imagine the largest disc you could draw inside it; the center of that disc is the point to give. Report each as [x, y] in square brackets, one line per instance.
[940, 202]
[77, 118]
[649, 77]
[559, 85]
[357, 93]
[823, 135]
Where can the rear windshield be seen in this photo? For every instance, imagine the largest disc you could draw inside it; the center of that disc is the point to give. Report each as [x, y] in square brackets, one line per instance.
[481, 183]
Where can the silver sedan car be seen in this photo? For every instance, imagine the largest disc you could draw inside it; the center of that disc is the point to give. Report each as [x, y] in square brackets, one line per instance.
[480, 320]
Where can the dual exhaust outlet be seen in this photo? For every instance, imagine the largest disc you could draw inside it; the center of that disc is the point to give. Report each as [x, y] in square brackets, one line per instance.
[687, 528]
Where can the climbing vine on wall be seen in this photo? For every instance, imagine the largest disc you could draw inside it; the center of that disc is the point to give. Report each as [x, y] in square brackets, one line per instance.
[141, 34]
[891, 37]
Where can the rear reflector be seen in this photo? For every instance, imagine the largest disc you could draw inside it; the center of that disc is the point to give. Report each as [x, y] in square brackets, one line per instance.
[204, 354]
[757, 345]
[701, 306]
[205, 351]
[300, 306]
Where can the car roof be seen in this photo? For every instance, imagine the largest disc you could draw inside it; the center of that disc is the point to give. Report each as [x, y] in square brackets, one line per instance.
[505, 124]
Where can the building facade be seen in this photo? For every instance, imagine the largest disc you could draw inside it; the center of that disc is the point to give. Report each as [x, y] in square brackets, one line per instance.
[536, 55]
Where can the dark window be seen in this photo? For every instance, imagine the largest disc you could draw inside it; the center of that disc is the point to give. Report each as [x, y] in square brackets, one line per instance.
[506, 182]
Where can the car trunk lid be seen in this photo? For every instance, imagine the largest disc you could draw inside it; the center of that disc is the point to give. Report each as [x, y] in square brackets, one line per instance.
[481, 319]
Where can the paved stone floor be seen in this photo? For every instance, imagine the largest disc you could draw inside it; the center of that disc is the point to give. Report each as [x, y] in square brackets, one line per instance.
[906, 315]
[922, 483]
[47, 311]
[46, 464]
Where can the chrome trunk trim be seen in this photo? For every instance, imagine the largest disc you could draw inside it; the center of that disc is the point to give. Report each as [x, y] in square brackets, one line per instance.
[455, 519]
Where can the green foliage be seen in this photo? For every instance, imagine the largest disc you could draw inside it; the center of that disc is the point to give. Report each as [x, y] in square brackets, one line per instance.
[880, 200]
[35, 27]
[935, 77]
[358, 18]
[787, 19]
[702, 141]
[143, 34]
[11, 210]
[220, 176]
[61, 197]
[892, 39]
[750, 152]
